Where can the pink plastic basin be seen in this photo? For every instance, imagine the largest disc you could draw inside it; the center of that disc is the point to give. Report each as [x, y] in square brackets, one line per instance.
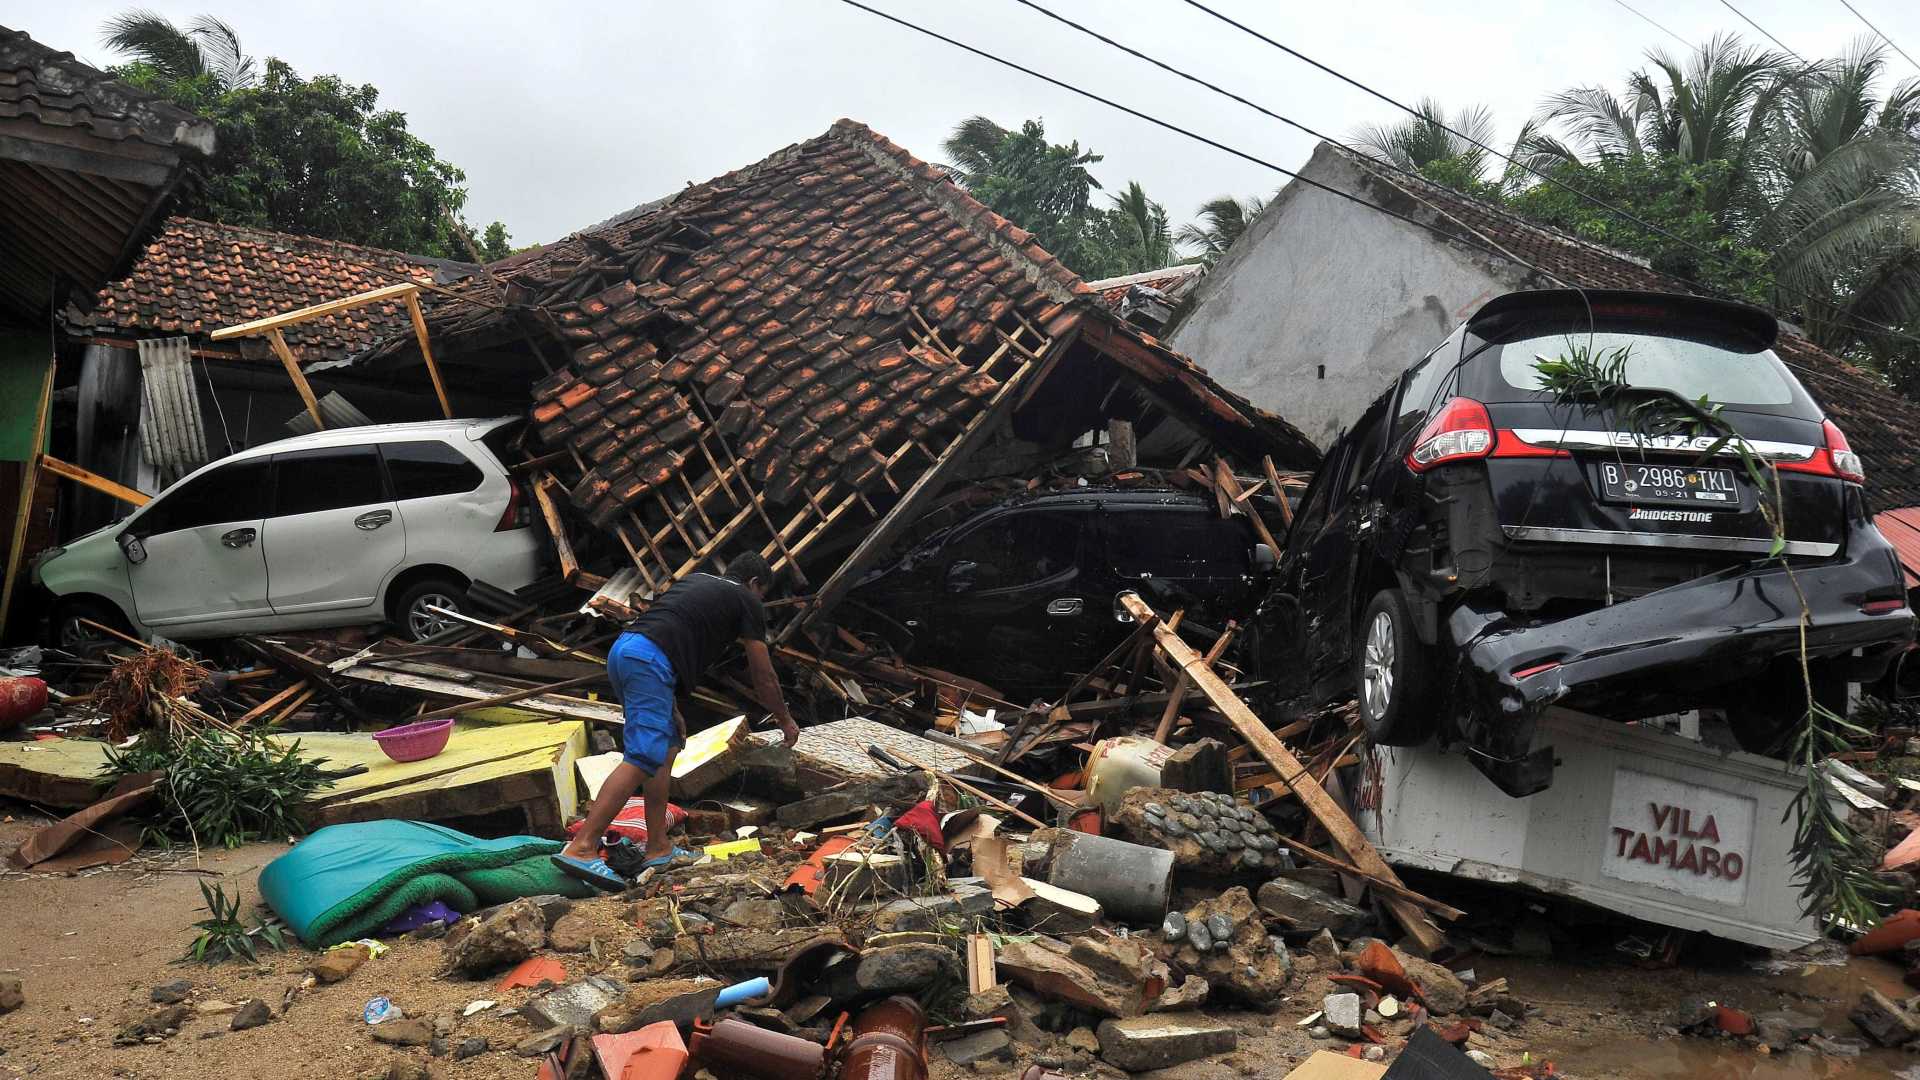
[415, 742]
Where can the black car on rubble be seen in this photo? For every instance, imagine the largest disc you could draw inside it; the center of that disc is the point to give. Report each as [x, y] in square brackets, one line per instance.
[1024, 595]
[1475, 549]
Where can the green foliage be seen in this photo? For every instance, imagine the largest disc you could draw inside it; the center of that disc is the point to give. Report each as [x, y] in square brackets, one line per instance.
[221, 788]
[1223, 220]
[315, 156]
[225, 935]
[1046, 189]
[1665, 191]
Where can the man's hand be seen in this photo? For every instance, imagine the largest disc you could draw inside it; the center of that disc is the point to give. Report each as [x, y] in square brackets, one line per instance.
[767, 686]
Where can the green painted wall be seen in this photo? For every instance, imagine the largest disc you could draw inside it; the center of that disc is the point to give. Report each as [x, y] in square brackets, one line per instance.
[23, 367]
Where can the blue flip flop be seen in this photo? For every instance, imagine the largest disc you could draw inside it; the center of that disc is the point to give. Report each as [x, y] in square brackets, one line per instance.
[594, 872]
[667, 859]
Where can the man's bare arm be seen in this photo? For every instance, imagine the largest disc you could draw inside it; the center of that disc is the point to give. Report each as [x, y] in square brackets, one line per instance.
[766, 686]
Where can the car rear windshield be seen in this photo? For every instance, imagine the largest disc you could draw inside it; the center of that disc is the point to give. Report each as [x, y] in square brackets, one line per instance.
[1728, 369]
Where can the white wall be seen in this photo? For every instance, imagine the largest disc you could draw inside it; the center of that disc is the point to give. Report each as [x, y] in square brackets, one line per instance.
[1317, 281]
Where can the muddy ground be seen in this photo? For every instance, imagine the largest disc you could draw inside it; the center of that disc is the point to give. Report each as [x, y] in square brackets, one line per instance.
[90, 948]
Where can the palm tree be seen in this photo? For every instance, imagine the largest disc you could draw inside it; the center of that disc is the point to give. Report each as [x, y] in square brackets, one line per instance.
[1719, 106]
[1430, 139]
[206, 46]
[1222, 221]
[1148, 235]
[1841, 186]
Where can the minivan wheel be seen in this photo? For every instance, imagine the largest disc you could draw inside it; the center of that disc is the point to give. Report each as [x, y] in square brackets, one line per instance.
[1394, 673]
[69, 629]
[411, 609]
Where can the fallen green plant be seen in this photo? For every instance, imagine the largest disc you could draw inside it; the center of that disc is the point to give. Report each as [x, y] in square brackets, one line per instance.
[225, 935]
[1833, 863]
[221, 788]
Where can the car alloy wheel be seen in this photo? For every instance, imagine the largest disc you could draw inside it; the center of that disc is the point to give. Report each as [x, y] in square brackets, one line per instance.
[423, 623]
[1376, 674]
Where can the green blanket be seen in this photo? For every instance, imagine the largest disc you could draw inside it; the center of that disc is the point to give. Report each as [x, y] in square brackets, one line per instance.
[347, 881]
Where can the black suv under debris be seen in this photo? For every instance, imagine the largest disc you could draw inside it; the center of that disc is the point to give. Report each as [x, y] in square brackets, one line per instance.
[1023, 595]
[1476, 548]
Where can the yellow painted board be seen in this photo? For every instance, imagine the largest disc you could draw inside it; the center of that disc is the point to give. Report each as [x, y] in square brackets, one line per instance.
[729, 848]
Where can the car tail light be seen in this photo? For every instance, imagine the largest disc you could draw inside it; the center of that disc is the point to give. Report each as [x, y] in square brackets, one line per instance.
[1881, 607]
[1835, 459]
[1509, 444]
[517, 515]
[1528, 672]
[1459, 431]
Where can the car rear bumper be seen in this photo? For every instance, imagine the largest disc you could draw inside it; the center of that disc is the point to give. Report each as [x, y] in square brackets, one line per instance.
[1666, 651]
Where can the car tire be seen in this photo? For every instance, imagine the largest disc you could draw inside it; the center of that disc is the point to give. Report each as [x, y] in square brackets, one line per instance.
[66, 631]
[1393, 674]
[408, 608]
[1766, 713]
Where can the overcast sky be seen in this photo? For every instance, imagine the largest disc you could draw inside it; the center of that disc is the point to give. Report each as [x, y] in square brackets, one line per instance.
[563, 114]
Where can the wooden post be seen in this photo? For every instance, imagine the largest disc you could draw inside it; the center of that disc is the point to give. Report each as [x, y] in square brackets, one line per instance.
[1179, 695]
[426, 351]
[29, 482]
[1346, 835]
[569, 564]
[1230, 484]
[299, 377]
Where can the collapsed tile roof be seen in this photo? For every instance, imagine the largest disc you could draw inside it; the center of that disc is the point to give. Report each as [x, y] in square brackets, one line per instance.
[825, 309]
[1173, 281]
[198, 276]
[1880, 424]
[86, 163]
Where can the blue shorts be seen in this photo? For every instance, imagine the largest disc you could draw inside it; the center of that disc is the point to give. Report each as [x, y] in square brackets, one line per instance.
[643, 677]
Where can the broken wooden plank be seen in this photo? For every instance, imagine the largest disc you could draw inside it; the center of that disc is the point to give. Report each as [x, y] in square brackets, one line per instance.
[446, 681]
[94, 480]
[1391, 888]
[980, 961]
[1346, 835]
[1230, 484]
[556, 527]
[299, 377]
[300, 315]
[426, 351]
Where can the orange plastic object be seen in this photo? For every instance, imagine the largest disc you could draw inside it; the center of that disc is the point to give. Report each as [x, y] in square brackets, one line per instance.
[807, 876]
[654, 1052]
[533, 971]
[1891, 935]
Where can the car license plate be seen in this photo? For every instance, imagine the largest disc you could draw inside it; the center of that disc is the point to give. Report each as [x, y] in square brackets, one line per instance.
[1671, 485]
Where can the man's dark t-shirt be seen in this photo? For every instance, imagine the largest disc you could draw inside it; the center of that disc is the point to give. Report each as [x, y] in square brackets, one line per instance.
[697, 619]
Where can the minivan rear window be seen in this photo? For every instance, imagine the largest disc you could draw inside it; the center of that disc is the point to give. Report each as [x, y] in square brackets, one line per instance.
[1176, 544]
[1718, 370]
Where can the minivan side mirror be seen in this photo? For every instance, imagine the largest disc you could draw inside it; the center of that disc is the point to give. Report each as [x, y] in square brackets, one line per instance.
[1264, 559]
[132, 547]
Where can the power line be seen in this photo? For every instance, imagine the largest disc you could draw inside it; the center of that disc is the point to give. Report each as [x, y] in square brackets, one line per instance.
[1255, 106]
[1763, 31]
[1655, 25]
[1875, 29]
[1853, 321]
[1472, 239]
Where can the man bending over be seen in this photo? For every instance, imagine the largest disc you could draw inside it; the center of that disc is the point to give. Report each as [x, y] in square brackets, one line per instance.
[663, 652]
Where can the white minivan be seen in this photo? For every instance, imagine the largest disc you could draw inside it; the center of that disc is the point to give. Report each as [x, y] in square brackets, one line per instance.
[336, 528]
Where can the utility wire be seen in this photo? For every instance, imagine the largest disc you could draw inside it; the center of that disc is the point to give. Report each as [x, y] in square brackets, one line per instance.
[1763, 30]
[1472, 238]
[1856, 322]
[1875, 29]
[1683, 41]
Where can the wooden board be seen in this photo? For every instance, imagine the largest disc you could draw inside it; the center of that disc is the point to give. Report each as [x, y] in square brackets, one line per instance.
[485, 768]
[453, 682]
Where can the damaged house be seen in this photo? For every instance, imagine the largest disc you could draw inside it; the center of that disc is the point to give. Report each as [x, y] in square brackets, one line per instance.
[803, 357]
[87, 166]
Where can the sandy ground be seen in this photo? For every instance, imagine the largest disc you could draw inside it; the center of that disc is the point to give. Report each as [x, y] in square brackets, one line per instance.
[89, 948]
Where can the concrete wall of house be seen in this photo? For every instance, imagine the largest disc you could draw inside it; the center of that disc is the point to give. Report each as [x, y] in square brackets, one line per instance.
[1323, 303]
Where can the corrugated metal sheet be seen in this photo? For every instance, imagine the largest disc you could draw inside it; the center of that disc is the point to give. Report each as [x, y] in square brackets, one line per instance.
[337, 411]
[1902, 530]
[172, 437]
